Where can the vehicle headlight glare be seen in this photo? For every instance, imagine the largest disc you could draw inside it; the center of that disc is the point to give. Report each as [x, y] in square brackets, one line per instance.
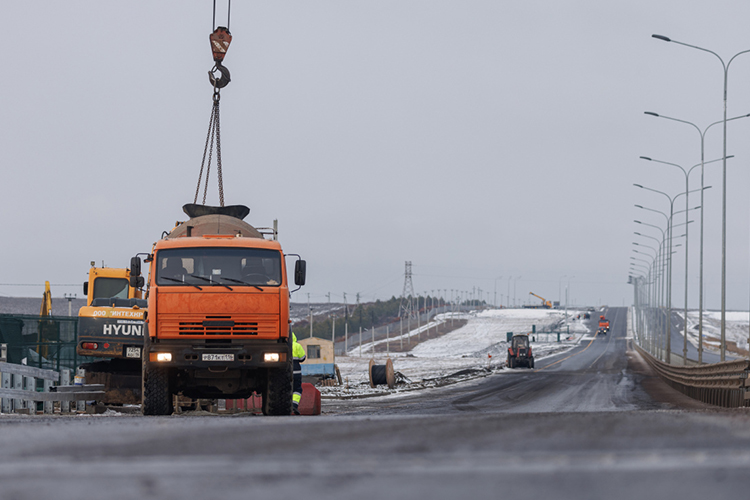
[271, 357]
[163, 356]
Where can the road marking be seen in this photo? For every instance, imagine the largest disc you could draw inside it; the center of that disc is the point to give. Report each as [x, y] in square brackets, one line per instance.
[567, 357]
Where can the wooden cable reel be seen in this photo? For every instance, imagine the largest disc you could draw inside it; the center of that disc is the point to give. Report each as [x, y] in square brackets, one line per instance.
[382, 374]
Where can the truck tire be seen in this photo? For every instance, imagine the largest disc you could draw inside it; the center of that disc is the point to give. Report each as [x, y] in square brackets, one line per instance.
[156, 395]
[531, 363]
[157, 398]
[277, 395]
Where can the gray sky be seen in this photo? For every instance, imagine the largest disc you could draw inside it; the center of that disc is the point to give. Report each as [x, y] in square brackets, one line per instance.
[477, 139]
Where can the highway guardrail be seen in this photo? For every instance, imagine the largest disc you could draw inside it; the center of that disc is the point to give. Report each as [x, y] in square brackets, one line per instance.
[722, 384]
[19, 392]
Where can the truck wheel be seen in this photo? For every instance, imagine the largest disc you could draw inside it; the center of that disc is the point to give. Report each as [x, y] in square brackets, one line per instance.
[512, 362]
[531, 363]
[157, 398]
[277, 396]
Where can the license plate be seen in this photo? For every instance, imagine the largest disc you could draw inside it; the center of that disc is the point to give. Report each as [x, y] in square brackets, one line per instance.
[217, 357]
[133, 352]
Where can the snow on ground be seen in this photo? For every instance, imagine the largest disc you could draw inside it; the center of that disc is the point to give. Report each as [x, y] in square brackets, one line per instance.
[738, 324]
[463, 350]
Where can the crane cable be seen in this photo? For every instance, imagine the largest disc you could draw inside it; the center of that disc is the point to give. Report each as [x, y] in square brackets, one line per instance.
[220, 39]
[229, 11]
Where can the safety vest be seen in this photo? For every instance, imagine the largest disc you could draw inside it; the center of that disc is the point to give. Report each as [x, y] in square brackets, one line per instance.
[298, 352]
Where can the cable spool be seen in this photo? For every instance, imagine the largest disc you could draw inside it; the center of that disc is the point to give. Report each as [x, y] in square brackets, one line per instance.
[382, 374]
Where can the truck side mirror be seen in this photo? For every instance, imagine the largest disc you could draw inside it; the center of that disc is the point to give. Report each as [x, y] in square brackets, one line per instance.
[135, 272]
[86, 288]
[300, 272]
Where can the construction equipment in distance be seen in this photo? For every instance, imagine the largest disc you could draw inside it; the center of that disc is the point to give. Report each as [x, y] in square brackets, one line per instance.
[546, 304]
[519, 352]
[110, 327]
[218, 319]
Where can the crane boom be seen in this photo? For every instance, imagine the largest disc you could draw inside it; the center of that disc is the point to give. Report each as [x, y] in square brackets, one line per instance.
[545, 303]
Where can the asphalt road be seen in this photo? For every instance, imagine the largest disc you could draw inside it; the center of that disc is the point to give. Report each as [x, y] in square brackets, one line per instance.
[591, 423]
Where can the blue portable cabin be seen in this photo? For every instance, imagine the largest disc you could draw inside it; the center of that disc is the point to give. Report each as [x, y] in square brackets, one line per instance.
[320, 357]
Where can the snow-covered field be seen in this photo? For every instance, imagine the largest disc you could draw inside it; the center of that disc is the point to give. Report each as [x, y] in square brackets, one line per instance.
[736, 330]
[467, 349]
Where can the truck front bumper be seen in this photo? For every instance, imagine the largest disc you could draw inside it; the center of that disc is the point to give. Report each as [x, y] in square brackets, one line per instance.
[202, 355]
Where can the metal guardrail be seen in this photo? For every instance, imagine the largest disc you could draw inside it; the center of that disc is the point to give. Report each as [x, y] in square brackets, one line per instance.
[21, 386]
[722, 384]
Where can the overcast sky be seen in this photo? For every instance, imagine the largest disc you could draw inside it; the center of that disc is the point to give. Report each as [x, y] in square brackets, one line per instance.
[477, 139]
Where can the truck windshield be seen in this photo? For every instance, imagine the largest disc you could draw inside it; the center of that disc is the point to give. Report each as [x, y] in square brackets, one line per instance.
[218, 267]
[106, 288]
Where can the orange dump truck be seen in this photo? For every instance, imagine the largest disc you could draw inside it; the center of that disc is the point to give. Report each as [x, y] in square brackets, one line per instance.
[217, 324]
[603, 324]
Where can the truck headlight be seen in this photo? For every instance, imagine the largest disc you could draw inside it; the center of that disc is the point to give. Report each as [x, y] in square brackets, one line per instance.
[271, 357]
[164, 356]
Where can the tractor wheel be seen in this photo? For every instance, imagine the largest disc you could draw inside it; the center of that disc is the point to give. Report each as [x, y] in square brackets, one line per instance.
[531, 362]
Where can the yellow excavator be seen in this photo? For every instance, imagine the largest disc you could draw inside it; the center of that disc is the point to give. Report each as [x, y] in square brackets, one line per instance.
[110, 332]
[546, 304]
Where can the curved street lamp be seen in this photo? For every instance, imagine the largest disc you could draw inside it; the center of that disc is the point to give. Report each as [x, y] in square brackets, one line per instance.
[725, 67]
[702, 134]
[686, 173]
[670, 227]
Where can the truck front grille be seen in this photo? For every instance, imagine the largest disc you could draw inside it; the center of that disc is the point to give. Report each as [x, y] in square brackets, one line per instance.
[201, 326]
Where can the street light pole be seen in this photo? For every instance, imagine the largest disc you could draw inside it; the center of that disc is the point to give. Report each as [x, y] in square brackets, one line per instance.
[702, 134]
[669, 271]
[559, 288]
[653, 276]
[495, 301]
[659, 285]
[687, 240]
[724, 189]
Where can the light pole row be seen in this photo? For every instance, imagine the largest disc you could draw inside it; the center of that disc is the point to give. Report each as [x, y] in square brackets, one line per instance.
[725, 70]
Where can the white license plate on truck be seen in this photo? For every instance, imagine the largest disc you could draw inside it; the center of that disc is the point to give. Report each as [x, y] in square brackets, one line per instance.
[217, 357]
[133, 352]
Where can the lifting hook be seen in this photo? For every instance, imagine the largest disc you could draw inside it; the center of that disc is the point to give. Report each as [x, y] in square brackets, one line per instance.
[224, 78]
[220, 40]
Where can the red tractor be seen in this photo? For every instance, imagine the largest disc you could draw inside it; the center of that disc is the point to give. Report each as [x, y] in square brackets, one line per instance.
[519, 352]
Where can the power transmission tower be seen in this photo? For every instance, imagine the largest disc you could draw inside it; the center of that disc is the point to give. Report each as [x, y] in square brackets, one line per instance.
[406, 308]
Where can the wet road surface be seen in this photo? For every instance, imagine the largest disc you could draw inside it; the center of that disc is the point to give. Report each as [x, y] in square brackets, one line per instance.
[590, 423]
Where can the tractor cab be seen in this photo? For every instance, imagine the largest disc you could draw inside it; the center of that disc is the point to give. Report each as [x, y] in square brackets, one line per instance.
[519, 352]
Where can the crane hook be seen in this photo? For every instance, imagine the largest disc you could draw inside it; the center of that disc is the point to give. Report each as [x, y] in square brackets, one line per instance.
[224, 77]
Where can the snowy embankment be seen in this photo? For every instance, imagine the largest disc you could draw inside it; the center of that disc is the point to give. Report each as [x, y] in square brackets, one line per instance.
[475, 349]
[736, 329]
